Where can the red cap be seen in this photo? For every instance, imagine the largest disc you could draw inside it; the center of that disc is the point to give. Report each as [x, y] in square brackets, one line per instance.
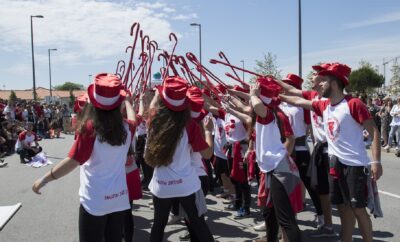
[106, 92]
[338, 70]
[173, 93]
[293, 80]
[195, 98]
[269, 89]
[80, 102]
[321, 67]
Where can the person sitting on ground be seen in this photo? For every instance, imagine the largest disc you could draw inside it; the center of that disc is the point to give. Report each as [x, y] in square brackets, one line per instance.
[24, 147]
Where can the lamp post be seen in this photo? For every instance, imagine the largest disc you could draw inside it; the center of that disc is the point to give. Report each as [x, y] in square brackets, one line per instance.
[198, 25]
[90, 78]
[243, 69]
[51, 93]
[33, 56]
[300, 54]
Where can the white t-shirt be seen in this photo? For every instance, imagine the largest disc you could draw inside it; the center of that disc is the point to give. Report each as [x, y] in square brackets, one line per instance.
[234, 129]
[317, 122]
[297, 117]
[197, 163]
[24, 138]
[103, 188]
[343, 126]
[141, 129]
[395, 113]
[179, 178]
[219, 137]
[269, 148]
[10, 110]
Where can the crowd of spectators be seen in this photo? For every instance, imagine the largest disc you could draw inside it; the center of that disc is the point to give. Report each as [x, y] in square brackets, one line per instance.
[47, 121]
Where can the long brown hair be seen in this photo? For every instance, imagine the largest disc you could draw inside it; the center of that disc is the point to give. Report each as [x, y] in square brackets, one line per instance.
[107, 124]
[164, 132]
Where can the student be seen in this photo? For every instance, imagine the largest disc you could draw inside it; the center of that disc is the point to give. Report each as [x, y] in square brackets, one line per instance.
[172, 136]
[344, 119]
[282, 181]
[101, 148]
[24, 147]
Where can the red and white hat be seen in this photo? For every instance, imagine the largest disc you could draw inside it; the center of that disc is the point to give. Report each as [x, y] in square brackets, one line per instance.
[106, 92]
[196, 103]
[293, 80]
[338, 70]
[80, 102]
[173, 93]
[269, 89]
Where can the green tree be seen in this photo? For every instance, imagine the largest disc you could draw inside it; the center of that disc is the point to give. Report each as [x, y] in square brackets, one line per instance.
[69, 86]
[13, 96]
[365, 79]
[267, 66]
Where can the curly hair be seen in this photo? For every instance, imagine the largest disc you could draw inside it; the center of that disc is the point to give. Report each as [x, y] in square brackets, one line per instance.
[165, 131]
[108, 125]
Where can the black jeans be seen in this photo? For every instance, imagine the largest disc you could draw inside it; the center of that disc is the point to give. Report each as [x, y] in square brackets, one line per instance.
[280, 213]
[27, 154]
[107, 228]
[162, 206]
[128, 224]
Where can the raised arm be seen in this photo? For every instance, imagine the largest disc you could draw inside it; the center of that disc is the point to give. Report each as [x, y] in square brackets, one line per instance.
[258, 106]
[297, 101]
[290, 90]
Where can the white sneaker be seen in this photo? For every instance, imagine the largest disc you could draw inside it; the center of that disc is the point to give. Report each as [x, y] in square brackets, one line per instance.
[387, 148]
[260, 227]
[173, 219]
[319, 219]
[3, 164]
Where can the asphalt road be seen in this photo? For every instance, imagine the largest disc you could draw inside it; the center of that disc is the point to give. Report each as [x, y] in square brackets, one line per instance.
[53, 216]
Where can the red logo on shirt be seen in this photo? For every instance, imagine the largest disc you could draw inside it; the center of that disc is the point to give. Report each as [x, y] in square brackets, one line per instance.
[316, 118]
[333, 128]
[229, 128]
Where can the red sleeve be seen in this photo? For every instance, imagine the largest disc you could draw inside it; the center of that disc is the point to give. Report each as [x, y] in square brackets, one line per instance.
[306, 95]
[221, 113]
[82, 148]
[195, 136]
[22, 136]
[319, 106]
[285, 124]
[358, 110]
[307, 116]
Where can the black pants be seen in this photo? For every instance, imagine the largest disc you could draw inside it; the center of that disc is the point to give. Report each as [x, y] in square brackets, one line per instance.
[302, 161]
[243, 195]
[27, 154]
[281, 213]
[146, 169]
[210, 174]
[128, 224]
[107, 228]
[162, 207]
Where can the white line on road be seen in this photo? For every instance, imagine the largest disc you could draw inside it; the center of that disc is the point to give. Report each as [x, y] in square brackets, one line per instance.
[389, 194]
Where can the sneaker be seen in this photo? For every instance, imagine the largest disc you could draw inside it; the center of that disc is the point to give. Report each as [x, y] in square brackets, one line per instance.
[387, 148]
[323, 232]
[260, 227]
[185, 236]
[3, 164]
[319, 220]
[231, 207]
[223, 195]
[242, 213]
[228, 200]
[173, 219]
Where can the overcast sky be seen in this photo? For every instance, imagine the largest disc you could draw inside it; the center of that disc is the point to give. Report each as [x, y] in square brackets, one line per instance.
[91, 36]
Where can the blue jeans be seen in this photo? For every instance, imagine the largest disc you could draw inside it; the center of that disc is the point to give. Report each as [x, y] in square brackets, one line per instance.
[394, 130]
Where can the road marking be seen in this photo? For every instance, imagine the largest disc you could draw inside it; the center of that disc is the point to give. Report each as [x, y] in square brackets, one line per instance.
[389, 194]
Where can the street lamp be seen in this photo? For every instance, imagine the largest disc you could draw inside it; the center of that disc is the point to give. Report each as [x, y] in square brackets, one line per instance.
[198, 25]
[300, 54]
[51, 93]
[243, 69]
[90, 76]
[33, 58]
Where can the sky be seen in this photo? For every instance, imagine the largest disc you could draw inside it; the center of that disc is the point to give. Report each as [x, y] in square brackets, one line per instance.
[91, 36]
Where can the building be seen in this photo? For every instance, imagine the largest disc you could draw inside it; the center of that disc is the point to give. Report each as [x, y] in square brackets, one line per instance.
[43, 94]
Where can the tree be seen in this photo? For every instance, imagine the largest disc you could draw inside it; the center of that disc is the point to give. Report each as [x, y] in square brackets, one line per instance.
[267, 66]
[307, 84]
[69, 86]
[13, 96]
[365, 79]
